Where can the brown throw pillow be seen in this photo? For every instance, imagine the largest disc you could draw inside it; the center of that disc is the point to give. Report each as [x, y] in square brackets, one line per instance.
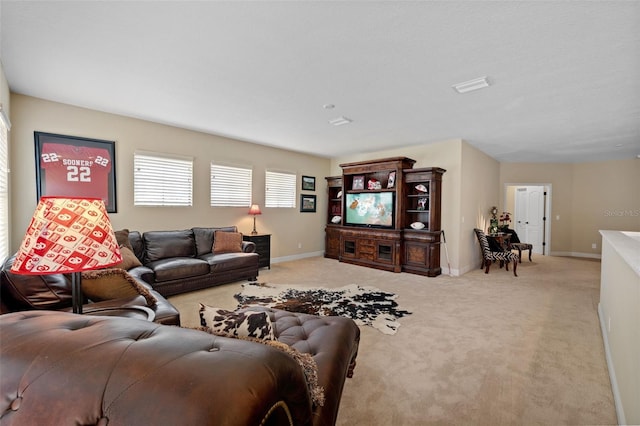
[227, 242]
[122, 237]
[129, 260]
[113, 283]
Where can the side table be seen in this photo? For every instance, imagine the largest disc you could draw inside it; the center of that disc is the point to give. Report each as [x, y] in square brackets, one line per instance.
[263, 248]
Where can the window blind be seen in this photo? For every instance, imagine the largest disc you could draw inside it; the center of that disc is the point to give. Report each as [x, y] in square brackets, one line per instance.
[230, 186]
[280, 189]
[162, 180]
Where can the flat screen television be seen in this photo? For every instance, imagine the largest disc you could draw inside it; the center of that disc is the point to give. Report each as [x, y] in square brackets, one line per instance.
[372, 209]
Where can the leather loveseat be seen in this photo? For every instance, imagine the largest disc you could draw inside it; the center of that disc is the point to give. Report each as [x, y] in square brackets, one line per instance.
[61, 368]
[182, 261]
[53, 292]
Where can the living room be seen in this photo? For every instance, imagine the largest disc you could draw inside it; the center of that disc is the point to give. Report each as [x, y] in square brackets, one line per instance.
[586, 196]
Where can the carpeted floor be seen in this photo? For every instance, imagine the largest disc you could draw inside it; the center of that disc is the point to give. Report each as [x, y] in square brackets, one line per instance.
[477, 350]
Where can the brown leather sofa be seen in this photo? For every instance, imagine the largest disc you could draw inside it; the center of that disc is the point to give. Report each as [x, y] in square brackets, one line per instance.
[53, 292]
[61, 368]
[182, 261]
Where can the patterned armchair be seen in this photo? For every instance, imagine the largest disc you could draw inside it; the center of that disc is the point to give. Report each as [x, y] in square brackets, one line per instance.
[516, 244]
[489, 256]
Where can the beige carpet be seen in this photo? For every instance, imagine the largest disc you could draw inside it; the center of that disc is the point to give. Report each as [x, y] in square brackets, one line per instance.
[477, 350]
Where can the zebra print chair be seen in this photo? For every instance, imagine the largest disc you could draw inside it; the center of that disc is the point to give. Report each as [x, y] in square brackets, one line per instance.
[516, 244]
[488, 256]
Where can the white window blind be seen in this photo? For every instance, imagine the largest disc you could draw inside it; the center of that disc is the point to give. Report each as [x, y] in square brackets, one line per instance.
[162, 180]
[230, 186]
[4, 185]
[280, 189]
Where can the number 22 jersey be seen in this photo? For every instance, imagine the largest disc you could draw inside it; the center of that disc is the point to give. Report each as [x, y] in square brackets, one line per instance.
[77, 171]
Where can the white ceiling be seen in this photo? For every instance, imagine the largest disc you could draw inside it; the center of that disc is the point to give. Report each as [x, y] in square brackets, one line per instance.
[565, 76]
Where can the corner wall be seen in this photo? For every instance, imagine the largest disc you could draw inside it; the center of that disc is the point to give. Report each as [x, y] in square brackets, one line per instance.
[288, 227]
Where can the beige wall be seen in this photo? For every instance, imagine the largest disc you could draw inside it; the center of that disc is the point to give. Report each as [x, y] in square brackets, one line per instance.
[287, 226]
[480, 177]
[586, 197]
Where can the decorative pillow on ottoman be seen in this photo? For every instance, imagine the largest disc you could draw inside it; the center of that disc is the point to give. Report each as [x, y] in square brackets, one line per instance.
[113, 283]
[236, 324]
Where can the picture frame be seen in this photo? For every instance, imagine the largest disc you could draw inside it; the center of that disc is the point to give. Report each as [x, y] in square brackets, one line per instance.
[71, 166]
[358, 182]
[308, 183]
[307, 203]
[391, 182]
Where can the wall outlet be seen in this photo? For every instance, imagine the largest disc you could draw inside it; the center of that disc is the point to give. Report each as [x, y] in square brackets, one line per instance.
[609, 325]
[594, 246]
[299, 245]
[557, 217]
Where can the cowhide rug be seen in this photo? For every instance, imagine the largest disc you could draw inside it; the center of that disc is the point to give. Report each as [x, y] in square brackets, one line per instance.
[365, 305]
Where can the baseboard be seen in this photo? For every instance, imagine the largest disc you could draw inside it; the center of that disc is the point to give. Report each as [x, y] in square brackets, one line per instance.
[612, 373]
[297, 257]
[575, 254]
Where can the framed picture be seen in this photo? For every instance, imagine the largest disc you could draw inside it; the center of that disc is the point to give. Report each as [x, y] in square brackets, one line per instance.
[308, 183]
[392, 180]
[307, 203]
[358, 182]
[70, 166]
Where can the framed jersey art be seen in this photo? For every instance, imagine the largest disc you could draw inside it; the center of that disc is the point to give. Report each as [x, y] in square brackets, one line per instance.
[70, 166]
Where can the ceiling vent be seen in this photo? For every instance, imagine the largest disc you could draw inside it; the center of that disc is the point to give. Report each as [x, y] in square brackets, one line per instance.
[340, 121]
[471, 85]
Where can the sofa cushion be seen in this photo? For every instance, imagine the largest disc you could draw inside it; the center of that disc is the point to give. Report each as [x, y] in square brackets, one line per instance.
[178, 268]
[135, 238]
[236, 324]
[122, 237]
[204, 238]
[166, 244]
[36, 291]
[129, 260]
[230, 261]
[113, 283]
[227, 242]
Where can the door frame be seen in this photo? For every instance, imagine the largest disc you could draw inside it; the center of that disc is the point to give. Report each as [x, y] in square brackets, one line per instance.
[546, 237]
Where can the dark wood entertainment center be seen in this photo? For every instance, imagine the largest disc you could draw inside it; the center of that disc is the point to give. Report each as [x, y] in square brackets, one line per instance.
[385, 214]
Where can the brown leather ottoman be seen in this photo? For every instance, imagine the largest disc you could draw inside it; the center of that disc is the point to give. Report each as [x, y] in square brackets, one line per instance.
[333, 343]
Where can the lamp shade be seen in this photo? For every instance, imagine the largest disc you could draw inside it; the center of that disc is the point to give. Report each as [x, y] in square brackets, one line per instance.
[255, 209]
[67, 235]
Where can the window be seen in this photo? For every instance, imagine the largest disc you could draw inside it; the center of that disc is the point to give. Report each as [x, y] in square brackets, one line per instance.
[162, 180]
[280, 189]
[4, 184]
[230, 186]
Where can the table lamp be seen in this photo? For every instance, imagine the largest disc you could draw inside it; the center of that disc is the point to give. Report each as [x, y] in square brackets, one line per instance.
[254, 210]
[68, 236]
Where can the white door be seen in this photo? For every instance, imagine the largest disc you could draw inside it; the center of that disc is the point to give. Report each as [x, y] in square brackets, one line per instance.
[529, 214]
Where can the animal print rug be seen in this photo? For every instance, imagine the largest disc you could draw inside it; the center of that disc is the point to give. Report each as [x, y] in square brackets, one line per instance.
[365, 305]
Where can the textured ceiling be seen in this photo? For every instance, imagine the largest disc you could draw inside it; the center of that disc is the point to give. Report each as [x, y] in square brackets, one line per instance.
[565, 76]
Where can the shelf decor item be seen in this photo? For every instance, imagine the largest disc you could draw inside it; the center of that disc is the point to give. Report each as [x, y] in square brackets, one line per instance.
[358, 182]
[391, 181]
[74, 167]
[68, 236]
[417, 225]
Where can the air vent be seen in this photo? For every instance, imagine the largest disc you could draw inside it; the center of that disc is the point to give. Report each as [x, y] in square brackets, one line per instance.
[471, 85]
[340, 121]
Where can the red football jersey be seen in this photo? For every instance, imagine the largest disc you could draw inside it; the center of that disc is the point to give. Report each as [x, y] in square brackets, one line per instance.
[77, 171]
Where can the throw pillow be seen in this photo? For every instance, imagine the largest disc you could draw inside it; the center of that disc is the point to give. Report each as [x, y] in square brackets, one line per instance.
[129, 260]
[227, 242]
[113, 283]
[122, 237]
[236, 324]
